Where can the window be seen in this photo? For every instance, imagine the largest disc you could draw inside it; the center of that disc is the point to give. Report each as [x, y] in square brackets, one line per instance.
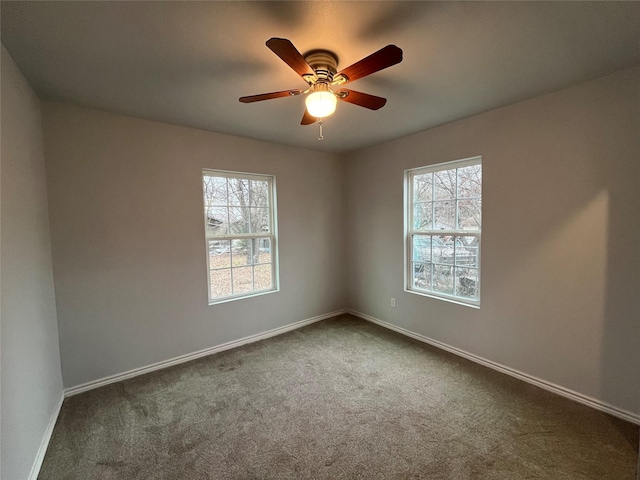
[240, 227]
[443, 230]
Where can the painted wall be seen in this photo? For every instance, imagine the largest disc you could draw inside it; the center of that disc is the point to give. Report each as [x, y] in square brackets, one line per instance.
[128, 243]
[31, 382]
[560, 258]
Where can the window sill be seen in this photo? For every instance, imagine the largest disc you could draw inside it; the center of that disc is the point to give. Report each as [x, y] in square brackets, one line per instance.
[242, 297]
[457, 301]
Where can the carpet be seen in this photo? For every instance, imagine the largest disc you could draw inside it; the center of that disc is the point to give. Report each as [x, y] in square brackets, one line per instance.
[339, 399]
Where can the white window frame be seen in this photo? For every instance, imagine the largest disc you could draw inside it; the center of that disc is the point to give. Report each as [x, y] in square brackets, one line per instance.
[410, 232]
[272, 235]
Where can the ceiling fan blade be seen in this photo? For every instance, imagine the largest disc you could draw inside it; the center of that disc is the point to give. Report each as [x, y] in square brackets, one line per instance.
[383, 58]
[269, 96]
[290, 55]
[362, 99]
[307, 119]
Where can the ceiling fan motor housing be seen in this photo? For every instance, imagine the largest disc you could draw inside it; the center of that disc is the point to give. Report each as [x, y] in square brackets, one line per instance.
[324, 63]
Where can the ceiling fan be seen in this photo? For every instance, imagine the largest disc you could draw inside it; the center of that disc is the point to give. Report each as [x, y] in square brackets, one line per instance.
[319, 69]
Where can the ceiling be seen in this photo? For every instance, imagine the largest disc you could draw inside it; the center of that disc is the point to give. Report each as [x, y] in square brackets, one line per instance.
[187, 63]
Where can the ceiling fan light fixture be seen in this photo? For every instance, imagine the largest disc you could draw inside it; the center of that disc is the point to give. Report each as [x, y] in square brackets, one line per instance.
[321, 102]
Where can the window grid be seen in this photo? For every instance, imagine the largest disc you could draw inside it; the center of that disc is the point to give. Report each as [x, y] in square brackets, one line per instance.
[239, 218]
[458, 276]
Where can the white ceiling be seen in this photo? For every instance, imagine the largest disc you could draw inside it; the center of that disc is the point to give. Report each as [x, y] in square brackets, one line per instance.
[188, 62]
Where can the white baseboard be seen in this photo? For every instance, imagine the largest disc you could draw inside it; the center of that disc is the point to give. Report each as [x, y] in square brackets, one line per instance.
[44, 444]
[192, 356]
[551, 387]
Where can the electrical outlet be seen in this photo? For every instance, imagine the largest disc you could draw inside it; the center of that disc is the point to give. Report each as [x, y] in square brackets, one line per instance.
[393, 302]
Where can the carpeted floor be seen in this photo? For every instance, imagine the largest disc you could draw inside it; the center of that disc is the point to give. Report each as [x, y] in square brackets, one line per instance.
[340, 399]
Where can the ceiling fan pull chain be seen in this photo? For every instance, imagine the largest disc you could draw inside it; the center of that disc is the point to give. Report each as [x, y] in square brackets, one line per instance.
[321, 137]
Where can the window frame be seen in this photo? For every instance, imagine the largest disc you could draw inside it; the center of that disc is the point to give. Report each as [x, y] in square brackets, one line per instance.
[272, 234]
[410, 232]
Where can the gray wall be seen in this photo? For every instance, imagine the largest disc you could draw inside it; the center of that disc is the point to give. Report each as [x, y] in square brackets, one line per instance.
[128, 239]
[31, 382]
[560, 275]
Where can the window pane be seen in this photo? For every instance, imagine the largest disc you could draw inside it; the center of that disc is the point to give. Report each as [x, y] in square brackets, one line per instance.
[242, 280]
[238, 191]
[262, 277]
[263, 247]
[467, 283]
[467, 251]
[470, 181]
[442, 249]
[219, 254]
[220, 281]
[423, 187]
[445, 184]
[422, 248]
[239, 219]
[241, 252]
[443, 279]
[215, 191]
[422, 275]
[469, 214]
[259, 193]
[252, 250]
[217, 221]
[259, 220]
[422, 216]
[444, 216]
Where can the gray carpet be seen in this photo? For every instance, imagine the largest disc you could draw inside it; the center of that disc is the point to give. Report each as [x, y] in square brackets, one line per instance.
[342, 398]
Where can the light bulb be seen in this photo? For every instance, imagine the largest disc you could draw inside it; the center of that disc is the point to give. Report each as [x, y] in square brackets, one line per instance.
[321, 102]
